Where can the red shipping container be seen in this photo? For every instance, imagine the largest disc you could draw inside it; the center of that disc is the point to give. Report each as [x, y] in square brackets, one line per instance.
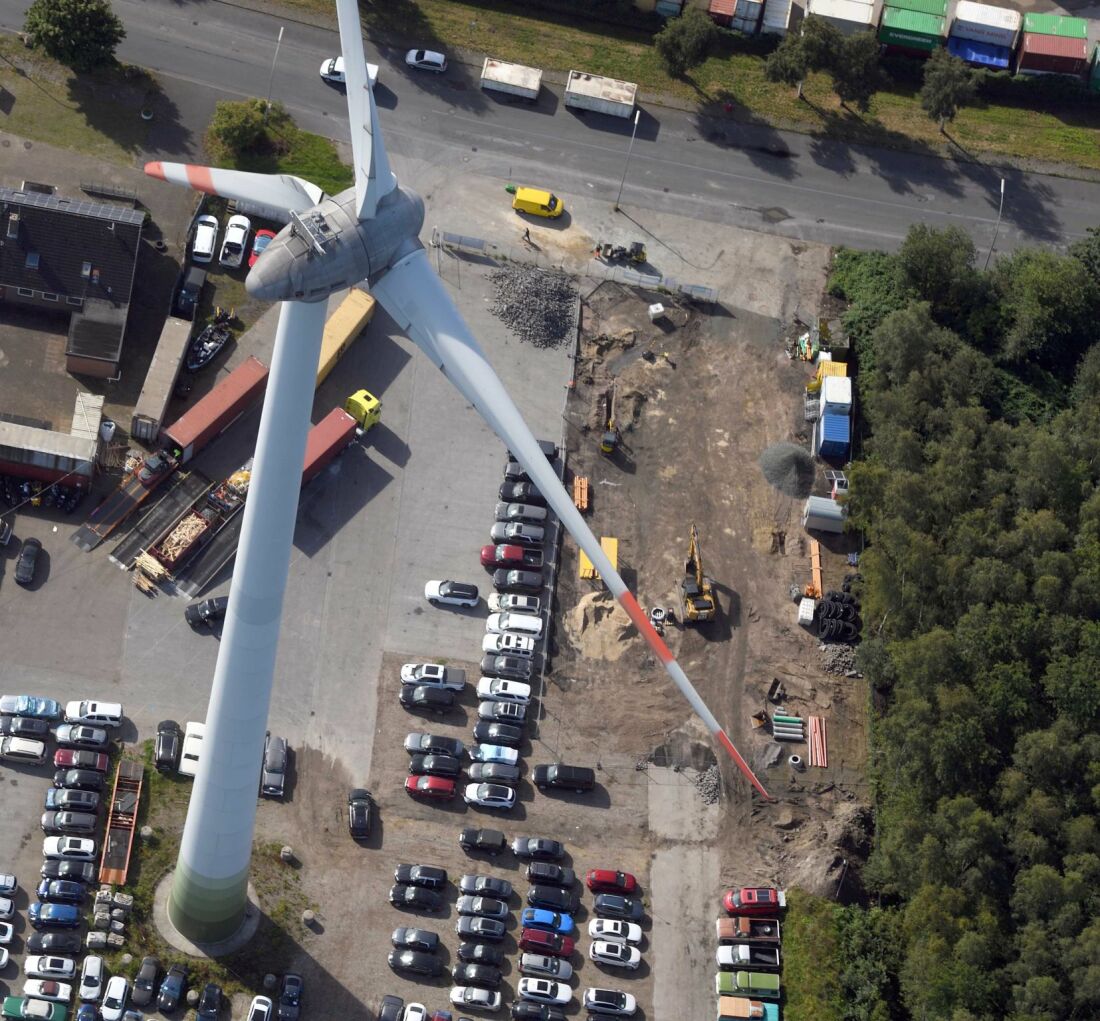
[326, 439]
[1052, 54]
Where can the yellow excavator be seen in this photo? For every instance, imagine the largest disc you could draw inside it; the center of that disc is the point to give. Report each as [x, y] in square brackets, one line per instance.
[611, 437]
[698, 592]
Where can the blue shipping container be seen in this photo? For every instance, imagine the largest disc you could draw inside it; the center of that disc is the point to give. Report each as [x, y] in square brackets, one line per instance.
[979, 53]
[834, 435]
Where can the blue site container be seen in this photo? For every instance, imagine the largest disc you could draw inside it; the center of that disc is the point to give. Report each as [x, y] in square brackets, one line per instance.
[980, 54]
[834, 435]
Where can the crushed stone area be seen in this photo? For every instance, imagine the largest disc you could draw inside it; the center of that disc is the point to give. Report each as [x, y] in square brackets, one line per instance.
[539, 305]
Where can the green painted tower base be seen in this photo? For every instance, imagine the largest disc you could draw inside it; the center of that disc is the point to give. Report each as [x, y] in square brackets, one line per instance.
[206, 910]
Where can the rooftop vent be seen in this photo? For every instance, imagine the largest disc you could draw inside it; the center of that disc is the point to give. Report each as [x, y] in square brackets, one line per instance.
[13, 225]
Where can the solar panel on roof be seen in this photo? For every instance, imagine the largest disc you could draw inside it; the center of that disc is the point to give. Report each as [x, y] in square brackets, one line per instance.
[96, 210]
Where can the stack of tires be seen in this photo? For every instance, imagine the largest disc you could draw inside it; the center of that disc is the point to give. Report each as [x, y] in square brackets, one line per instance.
[838, 616]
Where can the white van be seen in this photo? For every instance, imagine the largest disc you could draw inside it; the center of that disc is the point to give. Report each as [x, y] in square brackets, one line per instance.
[518, 623]
[206, 238]
[22, 749]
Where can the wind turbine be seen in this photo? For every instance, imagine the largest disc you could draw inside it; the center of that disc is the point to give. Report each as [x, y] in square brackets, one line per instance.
[368, 233]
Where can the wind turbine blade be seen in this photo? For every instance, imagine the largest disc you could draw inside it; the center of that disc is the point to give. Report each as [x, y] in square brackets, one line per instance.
[373, 177]
[282, 191]
[417, 300]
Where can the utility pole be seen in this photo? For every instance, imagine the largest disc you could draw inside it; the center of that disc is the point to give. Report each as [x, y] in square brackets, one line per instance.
[626, 165]
[271, 77]
[996, 230]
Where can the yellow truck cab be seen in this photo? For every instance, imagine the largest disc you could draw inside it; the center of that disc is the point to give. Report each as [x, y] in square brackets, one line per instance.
[537, 203]
[365, 408]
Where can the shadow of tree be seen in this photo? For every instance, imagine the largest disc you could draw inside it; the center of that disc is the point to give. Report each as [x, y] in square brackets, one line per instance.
[724, 121]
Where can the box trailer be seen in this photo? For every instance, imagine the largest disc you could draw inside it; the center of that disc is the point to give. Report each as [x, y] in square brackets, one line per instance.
[585, 91]
[513, 79]
[986, 24]
[326, 439]
[822, 514]
[848, 16]
[160, 380]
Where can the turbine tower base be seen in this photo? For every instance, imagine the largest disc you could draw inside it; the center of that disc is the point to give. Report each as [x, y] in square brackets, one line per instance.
[162, 919]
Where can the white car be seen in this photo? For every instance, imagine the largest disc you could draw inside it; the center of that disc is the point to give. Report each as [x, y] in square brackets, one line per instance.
[614, 953]
[496, 689]
[260, 1009]
[451, 593]
[543, 964]
[426, 60]
[69, 848]
[235, 244]
[434, 675]
[4, 956]
[517, 623]
[616, 929]
[193, 734]
[114, 998]
[48, 966]
[332, 70]
[544, 990]
[6, 932]
[206, 238]
[609, 1001]
[490, 795]
[95, 714]
[475, 999]
[494, 753]
[48, 989]
[511, 645]
[91, 979]
[415, 1012]
[7, 907]
[510, 602]
[7, 884]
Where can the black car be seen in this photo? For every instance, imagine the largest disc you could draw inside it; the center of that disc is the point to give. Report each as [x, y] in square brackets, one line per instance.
[61, 891]
[611, 905]
[431, 877]
[515, 472]
[525, 1010]
[79, 779]
[554, 898]
[521, 492]
[498, 733]
[545, 872]
[487, 841]
[485, 886]
[77, 871]
[475, 927]
[172, 989]
[191, 284]
[410, 938]
[290, 997]
[558, 774]
[27, 562]
[416, 962]
[392, 1008]
[23, 726]
[476, 975]
[481, 953]
[433, 744]
[145, 985]
[502, 712]
[539, 848]
[207, 613]
[415, 897]
[511, 668]
[167, 747]
[494, 772]
[530, 582]
[548, 447]
[434, 765]
[54, 943]
[360, 807]
[420, 696]
[210, 1002]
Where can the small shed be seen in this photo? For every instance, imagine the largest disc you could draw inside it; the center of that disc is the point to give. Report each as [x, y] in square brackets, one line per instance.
[822, 514]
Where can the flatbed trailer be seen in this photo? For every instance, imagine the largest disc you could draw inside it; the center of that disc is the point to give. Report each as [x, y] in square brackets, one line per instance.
[184, 488]
[118, 506]
[121, 823]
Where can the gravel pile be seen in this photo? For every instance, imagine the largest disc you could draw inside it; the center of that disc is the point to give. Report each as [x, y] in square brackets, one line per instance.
[709, 785]
[789, 468]
[838, 659]
[539, 305]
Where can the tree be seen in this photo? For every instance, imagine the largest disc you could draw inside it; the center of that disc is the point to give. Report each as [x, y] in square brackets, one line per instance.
[939, 266]
[948, 85]
[238, 126]
[82, 34]
[813, 49]
[685, 41]
[855, 70]
[786, 64]
[1087, 252]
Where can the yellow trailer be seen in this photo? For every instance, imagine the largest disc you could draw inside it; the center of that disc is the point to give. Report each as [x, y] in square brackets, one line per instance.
[343, 326]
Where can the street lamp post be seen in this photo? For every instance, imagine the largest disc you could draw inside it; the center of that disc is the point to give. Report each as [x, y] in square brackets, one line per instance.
[996, 230]
[626, 165]
[271, 77]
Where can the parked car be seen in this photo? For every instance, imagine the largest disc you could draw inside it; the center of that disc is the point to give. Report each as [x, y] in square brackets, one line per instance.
[510, 668]
[543, 964]
[521, 533]
[435, 765]
[7, 907]
[451, 593]
[236, 241]
[206, 238]
[54, 916]
[498, 733]
[61, 891]
[54, 943]
[553, 898]
[521, 492]
[544, 990]
[467, 974]
[543, 941]
[520, 623]
[23, 726]
[494, 753]
[416, 962]
[513, 645]
[498, 689]
[420, 696]
[430, 787]
[614, 954]
[360, 809]
[290, 997]
[33, 1010]
[540, 848]
[210, 1002]
[431, 877]
[27, 563]
[501, 556]
[79, 871]
[206, 613]
[70, 758]
[426, 60]
[115, 995]
[79, 779]
[92, 977]
[483, 907]
[392, 1008]
[559, 775]
[485, 886]
[434, 675]
[609, 1001]
[481, 953]
[78, 735]
[261, 1008]
[475, 998]
[24, 750]
[172, 989]
[526, 1010]
[30, 705]
[505, 580]
[69, 848]
[754, 900]
[615, 928]
[515, 472]
[521, 512]
[474, 927]
[145, 984]
[609, 881]
[538, 918]
[511, 602]
[493, 772]
[167, 746]
[191, 282]
[260, 242]
[154, 467]
[611, 905]
[94, 713]
[546, 873]
[484, 840]
[411, 938]
[50, 966]
[434, 744]
[275, 762]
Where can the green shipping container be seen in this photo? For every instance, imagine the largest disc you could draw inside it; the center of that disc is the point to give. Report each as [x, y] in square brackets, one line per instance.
[934, 7]
[911, 29]
[1056, 24]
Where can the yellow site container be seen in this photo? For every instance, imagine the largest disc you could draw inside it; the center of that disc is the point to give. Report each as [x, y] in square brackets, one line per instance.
[828, 368]
[610, 547]
[343, 326]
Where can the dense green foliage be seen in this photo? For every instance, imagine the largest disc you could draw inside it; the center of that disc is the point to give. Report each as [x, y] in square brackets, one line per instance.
[240, 125]
[685, 41]
[948, 85]
[82, 34]
[979, 495]
[851, 61]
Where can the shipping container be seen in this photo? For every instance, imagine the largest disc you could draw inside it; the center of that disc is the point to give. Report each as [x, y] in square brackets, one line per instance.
[46, 456]
[849, 16]
[911, 29]
[937, 8]
[820, 514]
[833, 436]
[1094, 74]
[1056, 24]
[986, 24]
[1052, 54]
[722, 11]
[836, 395]
[746, 17]
[979, 54]
[326, 439]
[218, 410]
[604, 95]
[160, 380]
[514, 79]
[777, 17]
[341, 329]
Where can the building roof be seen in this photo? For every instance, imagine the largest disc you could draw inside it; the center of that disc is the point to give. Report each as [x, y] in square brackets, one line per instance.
[96, 332]
[84, 249]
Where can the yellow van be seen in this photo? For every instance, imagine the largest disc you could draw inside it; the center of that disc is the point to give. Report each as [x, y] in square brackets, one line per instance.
[537, 203]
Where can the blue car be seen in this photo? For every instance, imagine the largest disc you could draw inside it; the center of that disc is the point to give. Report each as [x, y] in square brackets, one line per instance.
[61, 891]
[540, 918]
[30, 705]
[87, 1012]
[54, 916]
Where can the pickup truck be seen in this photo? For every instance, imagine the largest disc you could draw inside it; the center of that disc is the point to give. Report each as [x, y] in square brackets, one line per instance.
[433, 675]
[741, 955]
[735, 1008]
[747, 983]
[747, 930]
[754, 900]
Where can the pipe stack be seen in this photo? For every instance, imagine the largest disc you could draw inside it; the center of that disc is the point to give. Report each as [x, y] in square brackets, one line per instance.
[787, 728]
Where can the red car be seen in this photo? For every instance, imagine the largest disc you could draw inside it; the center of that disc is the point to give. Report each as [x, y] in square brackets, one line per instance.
[430, 787]
[262, 239]
[606, 881]
[750, 900]
[494, 556]
[542, 942]
[70, 758]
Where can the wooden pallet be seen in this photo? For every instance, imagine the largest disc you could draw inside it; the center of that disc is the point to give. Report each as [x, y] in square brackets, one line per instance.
[580, 492]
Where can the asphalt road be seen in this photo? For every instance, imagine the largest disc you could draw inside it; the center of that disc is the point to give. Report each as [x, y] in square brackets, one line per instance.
[714, 169]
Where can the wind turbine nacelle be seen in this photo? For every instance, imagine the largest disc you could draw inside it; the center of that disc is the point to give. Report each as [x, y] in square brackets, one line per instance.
[328, 248]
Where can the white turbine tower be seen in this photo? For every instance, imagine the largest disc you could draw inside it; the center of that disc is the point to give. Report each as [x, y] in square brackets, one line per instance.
[369, 232]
